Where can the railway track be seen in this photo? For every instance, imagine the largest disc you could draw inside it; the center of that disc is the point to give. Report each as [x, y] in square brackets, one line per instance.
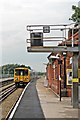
[5, 81]
[5, 92]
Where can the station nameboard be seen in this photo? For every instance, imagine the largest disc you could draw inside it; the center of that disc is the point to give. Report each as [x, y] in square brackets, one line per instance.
[36, 38]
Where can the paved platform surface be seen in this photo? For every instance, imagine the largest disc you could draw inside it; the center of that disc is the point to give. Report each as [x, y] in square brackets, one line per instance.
[52, 106]
[40, 102]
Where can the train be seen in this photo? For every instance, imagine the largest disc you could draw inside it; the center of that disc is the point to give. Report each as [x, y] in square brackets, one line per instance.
[23, 75]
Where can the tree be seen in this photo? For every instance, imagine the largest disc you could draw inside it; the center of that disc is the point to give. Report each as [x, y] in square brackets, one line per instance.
[76, 15]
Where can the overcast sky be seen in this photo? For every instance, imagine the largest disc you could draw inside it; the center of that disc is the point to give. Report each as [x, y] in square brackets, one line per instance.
[15, 15]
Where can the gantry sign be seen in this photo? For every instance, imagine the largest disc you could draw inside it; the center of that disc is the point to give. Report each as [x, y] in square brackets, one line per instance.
[42, 34]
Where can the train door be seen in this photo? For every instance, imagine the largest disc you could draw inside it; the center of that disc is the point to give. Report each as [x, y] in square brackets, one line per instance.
[21, 75]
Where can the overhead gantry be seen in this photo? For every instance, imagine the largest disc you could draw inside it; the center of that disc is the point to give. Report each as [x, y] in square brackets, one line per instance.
[47, 38]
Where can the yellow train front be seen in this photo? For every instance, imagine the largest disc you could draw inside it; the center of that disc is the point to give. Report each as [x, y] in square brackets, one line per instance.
[21, 76]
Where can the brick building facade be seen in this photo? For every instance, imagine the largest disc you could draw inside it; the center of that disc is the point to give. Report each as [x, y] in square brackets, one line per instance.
[60, 68]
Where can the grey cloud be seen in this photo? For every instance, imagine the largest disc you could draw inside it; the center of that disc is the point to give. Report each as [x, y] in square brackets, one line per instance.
[16, 15]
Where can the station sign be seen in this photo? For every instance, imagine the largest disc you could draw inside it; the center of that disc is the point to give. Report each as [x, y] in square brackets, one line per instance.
[75, 80]
[46, 29]
[36, 38]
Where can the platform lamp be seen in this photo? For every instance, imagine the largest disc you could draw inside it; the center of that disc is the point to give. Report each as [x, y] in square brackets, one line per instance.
[60, 62]
[64, 55]
[52, 59]
[46, 76]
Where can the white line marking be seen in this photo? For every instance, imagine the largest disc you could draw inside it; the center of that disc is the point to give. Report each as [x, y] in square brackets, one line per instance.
[17, 104]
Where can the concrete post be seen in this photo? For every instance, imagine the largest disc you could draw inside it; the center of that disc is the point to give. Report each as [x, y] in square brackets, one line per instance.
[75, 80]
[79, 40]
[75, 91]
[79, 57]
[79, 31]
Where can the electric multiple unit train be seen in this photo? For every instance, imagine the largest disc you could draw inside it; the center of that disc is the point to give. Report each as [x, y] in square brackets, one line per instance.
[23, 75]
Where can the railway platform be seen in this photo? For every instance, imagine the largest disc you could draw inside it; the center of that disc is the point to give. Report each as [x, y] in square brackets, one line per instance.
[40, 102]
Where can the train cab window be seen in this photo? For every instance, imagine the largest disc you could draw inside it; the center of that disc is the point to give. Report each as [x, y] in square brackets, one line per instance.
[21, 72]
[26, 72]
[16, 72]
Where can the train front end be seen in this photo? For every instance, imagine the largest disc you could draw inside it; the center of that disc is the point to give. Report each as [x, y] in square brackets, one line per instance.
[21, 76]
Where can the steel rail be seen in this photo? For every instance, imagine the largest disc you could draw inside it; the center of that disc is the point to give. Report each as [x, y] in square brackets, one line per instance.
[5, 82]
[6, 92]
[3, 89]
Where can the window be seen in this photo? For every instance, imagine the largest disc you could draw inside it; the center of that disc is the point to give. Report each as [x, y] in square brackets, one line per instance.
[25, 72]
[21, 72]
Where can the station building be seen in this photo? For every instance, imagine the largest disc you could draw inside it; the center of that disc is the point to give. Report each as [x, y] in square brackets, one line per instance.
[59, 67]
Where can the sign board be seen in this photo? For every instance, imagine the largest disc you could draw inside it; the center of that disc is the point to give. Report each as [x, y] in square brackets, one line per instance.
[69, 76]
[75, 80]
[46, 29]
[36, 38]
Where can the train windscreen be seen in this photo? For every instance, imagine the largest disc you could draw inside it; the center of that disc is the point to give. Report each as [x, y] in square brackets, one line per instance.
[21, 72]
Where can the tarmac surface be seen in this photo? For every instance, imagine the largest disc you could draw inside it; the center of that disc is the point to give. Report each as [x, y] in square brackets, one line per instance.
[40, 102]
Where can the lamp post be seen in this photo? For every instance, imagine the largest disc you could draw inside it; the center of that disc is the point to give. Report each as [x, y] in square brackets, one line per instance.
[46, 76]
[64, 54]
[60, 62]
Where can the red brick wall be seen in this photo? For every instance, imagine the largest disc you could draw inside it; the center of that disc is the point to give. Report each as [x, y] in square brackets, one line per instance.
[53, 74]
[50, 74]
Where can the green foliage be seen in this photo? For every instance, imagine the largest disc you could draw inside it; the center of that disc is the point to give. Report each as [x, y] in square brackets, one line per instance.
[41, 73]
[76, 15]
[25, 66]
[8, 70]
[29, 67]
